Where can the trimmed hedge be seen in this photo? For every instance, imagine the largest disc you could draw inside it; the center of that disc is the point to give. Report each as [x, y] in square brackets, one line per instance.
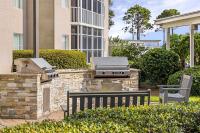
[62, 59]
[194, 72]
[171, 118]
[157, 64]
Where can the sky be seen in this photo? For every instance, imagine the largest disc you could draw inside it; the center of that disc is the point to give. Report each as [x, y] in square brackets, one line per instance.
[156, 7]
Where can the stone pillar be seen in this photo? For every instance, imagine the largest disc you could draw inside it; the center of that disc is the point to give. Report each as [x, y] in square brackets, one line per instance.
[167, 38]
[192, 28]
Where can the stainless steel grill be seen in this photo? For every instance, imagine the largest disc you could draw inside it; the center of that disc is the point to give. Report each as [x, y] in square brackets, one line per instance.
[36, 66]
[111, 66]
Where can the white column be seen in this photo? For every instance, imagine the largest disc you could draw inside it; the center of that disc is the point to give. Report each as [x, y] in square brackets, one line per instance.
[192, 27]
[167, 38]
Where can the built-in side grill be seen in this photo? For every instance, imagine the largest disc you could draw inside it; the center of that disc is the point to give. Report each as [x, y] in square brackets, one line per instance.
[36, 66]
[111, 66]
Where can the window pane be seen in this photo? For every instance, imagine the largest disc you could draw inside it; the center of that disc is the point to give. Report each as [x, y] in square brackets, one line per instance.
[89, 5]
[95, 32]
[99, 32]
[84, 4]
[84, 30]
[99, 53]
[18, 3]
[94, 5]
[95, 43]
[89, 42]
[95, 53]
[18, 41]
[65, 42]
[99, 43]
[74, 3]
[99, 7]
[64, 3]
[74, 29]
[74, 42]
[84, 42]
[74, 14]
[89, 31]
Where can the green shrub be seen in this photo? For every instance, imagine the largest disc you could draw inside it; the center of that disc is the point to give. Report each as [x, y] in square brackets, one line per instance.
[171, 118]
[134, 64]
[62, 59]
[157, 64]
[126, 49]
[194, 72]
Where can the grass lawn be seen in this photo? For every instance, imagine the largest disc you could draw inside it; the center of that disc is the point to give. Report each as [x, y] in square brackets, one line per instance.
[192, 99]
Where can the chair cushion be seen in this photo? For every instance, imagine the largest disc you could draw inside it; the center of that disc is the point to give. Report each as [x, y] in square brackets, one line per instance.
[172, 95]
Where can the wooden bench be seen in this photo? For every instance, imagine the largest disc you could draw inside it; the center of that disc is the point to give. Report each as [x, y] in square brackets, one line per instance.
[82, 101]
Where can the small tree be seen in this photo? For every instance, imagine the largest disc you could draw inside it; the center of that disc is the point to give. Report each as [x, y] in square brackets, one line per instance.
[137, 19]
[180, 45]
[124, 48]
[168, 13]
[197, 48]
[111, 14]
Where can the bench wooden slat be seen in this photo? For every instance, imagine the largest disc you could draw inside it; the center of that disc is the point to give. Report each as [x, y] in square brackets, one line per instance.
[127, 101]
[120, 98]
[135, 100]
[67, 104]
[112, 101]
[82, 103]
[141, 100]
[97, 102]
[105, 101]
[89, 102]
[109, 95]
[113, 93]
[74, 105]
[101, 100]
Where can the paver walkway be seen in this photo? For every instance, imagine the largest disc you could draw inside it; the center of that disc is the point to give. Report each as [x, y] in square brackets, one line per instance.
[57, 116]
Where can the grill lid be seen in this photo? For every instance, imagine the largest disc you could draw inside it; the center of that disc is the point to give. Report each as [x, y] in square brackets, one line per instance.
[43, 64]
[111, 66]
[110, 61]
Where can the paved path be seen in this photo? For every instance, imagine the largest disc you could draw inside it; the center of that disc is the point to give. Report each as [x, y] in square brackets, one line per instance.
[57, 116]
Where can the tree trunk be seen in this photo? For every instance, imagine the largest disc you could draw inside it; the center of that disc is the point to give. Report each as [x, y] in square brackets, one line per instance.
[138, 33]
[133, 36]
[182, 63]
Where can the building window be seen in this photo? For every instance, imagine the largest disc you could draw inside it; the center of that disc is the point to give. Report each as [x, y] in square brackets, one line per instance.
[87, 39]
[18, 3]
[74, 3]
[94, 5]
[65, 42]
[64, 3]
[18, 41]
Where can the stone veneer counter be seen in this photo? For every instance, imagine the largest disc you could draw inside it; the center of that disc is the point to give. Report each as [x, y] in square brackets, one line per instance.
[23, 96]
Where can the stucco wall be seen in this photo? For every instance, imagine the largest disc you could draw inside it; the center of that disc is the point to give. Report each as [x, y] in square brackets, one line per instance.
[106, 27]
[62, 23]
[11, 21]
